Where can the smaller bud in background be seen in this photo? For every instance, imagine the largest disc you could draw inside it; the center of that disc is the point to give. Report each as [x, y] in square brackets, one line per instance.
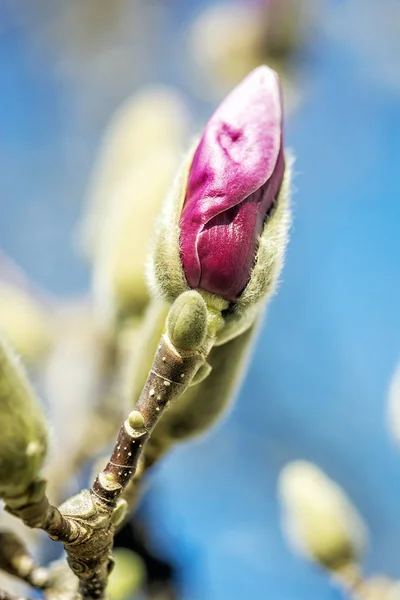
[225, 44]
[140, 153]
[319, 520]
[25, 318]
[127, 576]
[23, 440]
[154, 117]
[229, 39]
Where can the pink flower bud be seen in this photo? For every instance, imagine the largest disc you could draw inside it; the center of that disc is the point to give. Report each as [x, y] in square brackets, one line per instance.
[233, 181]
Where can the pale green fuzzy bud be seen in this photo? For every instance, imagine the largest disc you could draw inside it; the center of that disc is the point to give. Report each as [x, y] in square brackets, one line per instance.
[187, 321]
[165, 271]
[155, 118]
[119, 280]
[319, 519]
[24, 322]
[23, 439]
[127, 576]
[139, 156]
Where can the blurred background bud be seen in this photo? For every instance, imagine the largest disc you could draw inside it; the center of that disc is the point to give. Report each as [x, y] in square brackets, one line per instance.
[225, 42]
[24, 321]
[318, 519]
[139, 156]
[229, 39]
[127, 576]
[25, 315]
[23, 440]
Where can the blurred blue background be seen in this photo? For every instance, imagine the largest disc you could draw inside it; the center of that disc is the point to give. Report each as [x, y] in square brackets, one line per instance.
[317, 387]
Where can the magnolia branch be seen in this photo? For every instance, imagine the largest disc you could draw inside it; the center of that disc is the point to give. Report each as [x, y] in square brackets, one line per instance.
[170, 375]
[86, 523]
[16, 561]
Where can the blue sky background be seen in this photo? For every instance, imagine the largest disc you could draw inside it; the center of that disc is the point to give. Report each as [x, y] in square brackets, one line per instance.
[317, 388]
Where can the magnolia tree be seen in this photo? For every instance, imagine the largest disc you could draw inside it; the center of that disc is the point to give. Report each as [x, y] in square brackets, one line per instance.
[173, 352]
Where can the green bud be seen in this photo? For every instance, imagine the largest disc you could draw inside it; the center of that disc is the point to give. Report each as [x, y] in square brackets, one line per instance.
[138, 157]
[136, 420]
[187, 321]
[127, 576]
[24, 322]
[319, 519]
[23, 440]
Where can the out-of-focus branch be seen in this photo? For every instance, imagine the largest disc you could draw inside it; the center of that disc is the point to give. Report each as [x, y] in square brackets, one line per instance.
[15, 560]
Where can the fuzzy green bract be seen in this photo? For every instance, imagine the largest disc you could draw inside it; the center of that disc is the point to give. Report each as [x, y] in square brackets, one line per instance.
[23, 439]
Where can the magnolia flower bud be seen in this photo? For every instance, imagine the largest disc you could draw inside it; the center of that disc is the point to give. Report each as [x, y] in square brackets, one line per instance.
[24, 322]
[23, 439]
[154, 118]
[224, 228]
[234, 178]
[319, 519]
